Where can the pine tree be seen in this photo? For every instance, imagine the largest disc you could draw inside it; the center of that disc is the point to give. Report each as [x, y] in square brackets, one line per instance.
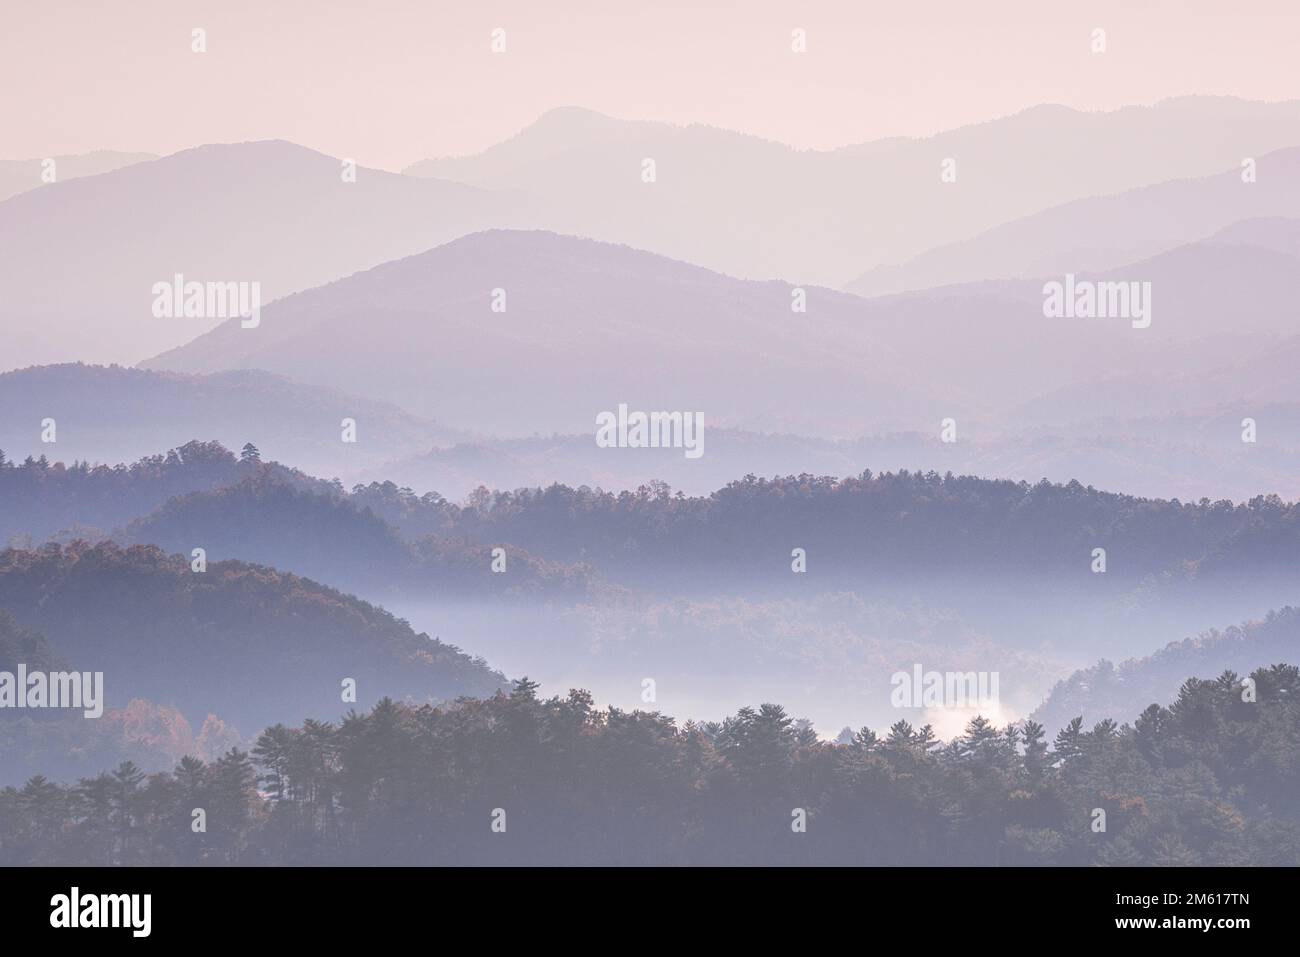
[1035, 757]
[900, 736]
[524, 689]
[1069, 741]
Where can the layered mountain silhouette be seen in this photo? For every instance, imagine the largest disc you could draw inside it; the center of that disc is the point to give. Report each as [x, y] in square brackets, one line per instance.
[282, 215]
[1187, 456]
[590, 325]
[472, 348]
[92, 248]
[758, 209]
[587, 325]
[19, 176]
[1100, 233]
[79, 259]
[116, 414]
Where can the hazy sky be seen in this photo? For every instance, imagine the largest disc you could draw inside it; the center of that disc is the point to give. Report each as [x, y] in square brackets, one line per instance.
[392, 81]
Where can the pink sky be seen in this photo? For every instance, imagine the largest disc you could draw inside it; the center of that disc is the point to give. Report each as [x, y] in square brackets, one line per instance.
[392, 81]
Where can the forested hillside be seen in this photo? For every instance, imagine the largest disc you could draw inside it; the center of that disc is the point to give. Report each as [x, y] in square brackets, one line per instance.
[60, 742]
[248, 643]
[326, 536]
[1119, 690]
[704, 592]
[891, 525]
[897, 524]
[40, 499]
[1210, 779]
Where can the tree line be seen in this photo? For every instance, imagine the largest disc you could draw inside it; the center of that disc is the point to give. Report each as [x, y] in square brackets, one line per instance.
[887, 524]
[520, 779]
[869, 527]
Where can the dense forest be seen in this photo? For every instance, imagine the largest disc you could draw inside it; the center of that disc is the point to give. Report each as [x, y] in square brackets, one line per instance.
[912, 517]
[891, 524]
[872, 527]
[515, 778]
[329, 538]
[40, 499]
